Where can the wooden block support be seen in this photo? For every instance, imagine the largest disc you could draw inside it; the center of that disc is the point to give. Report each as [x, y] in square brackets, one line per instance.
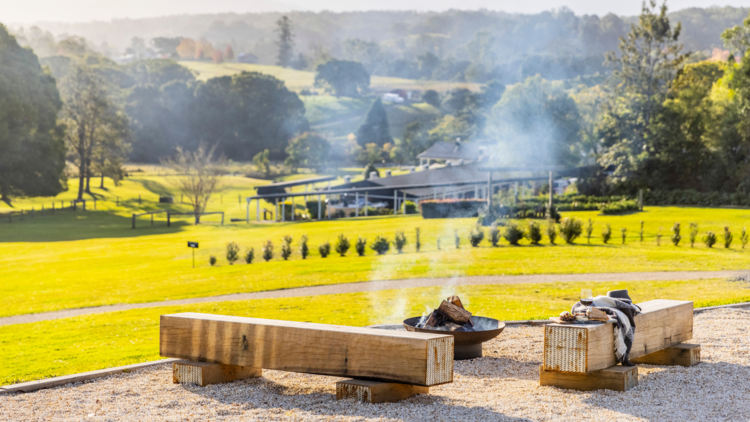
[384, 355]
[584, 348]
[376, 391]
[617, 378]
[204, 373]
[683, 355]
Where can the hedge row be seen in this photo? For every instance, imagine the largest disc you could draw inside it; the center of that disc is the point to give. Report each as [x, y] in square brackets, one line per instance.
[451, 208]
[693, 197]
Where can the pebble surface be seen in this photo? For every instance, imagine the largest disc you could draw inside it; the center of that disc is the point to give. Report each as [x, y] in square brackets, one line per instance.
[502, 386]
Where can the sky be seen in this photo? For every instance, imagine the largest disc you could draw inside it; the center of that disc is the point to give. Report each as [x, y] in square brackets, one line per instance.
[28, 11]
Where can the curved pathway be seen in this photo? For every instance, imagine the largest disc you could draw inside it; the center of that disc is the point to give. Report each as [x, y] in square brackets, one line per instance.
[383, 285]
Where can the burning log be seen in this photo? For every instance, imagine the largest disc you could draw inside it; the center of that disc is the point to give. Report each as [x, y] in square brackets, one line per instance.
[456, 301]
[451, 316]
[456, 314]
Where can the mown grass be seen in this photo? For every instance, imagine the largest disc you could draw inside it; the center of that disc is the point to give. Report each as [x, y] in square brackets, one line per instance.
[79, 259]
[297, 80]
[72, 345]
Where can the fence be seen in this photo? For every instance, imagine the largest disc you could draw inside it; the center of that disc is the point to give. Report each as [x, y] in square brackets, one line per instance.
[170, 214]
[33, 212]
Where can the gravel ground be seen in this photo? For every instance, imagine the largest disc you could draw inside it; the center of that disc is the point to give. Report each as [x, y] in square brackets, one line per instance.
[501, 386]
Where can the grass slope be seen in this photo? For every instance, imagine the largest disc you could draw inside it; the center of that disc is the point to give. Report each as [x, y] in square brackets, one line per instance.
[54, 348]
[81, 259]
[297, 80]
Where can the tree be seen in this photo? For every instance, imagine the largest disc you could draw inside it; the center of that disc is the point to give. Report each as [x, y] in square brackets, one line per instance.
[229, 53]
[92, 120]
[198, 176]
[186, 48]
[342, 78]
[536, 122]
[167, 46]
[431, 97]
[285, 41]
[737, 38]
[374, 129]
[32, 149]
[643, 72]
[309, 150]
[413, 141]
[218, 57]
[262, 162]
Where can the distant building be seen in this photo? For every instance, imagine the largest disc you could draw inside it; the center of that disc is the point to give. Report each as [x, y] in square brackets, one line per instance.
[249, 58]
[454, 153]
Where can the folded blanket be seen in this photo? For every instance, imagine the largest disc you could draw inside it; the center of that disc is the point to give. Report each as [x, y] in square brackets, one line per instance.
[624, 313]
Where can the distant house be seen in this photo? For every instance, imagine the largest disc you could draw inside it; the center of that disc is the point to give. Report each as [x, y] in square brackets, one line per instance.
[454, 153]
[249, 58]
[390, 97]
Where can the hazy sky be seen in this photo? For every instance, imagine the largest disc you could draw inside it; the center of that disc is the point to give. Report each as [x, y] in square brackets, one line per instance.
[25, 11]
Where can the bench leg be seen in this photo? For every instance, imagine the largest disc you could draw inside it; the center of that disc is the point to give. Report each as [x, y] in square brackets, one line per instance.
[377, 392]
[617, 378]
[682, 354]
[204, 373]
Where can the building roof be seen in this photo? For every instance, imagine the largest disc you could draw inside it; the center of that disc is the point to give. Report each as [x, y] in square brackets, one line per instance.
[455, 151]
[282, 186]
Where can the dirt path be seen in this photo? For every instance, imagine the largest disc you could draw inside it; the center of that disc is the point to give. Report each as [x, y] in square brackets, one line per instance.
[383, 285]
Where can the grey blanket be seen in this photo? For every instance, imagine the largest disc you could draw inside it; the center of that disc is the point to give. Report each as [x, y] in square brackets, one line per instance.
[624, 313]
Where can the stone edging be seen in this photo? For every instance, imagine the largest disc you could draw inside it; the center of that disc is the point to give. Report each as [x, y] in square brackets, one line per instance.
[31, 386]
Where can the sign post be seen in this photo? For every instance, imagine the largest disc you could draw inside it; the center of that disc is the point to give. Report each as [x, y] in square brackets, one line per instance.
[193, 246]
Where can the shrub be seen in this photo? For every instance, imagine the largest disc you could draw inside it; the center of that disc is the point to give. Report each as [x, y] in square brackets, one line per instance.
[409, 207]
[212, 260]
[451, 208]
[534, 233]
[658, 237]
[312, 207]
[693, 233]
[494, 234]
[476, 236]
[619, 207]
[589, 230]
[676, 234]
[456, 239]
[268, 251]
[286, 247]
[399, 241]
[513, 233]
[249, 256]
[324, 249]
[727, 237]
[339, 214]
[624, 232]
[360, 245]
[304, 250]
[570, 229]
[709, 239]
[743, 237]
[606, 233]
[380, 245]
[551, 231]
[233, 252]
[418, 243]
[342, 245]
[641, 232]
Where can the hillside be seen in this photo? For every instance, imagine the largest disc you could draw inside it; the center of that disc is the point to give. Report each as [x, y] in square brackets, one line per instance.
[297, 80]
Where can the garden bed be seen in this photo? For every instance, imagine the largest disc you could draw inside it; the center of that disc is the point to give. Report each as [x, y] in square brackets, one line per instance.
[503, 384]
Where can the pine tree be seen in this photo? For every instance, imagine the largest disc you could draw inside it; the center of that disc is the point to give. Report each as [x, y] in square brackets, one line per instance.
[32, 150]
[285, 41]
[375, 128]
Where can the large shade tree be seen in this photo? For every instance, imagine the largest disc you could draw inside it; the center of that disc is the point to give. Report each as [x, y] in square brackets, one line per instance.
[32, 150]
[342, 78]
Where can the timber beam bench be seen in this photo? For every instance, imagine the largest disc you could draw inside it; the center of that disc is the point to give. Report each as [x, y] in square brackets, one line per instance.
[582, 357]
[385, 365]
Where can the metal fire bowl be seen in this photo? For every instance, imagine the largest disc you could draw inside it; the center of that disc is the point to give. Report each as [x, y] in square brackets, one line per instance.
[467, 344]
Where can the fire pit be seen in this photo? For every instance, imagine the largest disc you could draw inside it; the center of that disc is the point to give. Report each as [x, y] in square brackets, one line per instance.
[468, 331]
[467, 344]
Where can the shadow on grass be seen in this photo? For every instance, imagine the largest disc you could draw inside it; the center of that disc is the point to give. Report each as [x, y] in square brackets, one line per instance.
[81, 225]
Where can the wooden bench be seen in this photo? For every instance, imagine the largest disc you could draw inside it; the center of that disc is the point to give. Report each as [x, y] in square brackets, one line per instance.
[581, 356]
[242, 347]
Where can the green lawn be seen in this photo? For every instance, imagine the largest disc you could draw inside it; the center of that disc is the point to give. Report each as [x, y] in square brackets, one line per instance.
[66, 346]
[73, 260]
[297, 80]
